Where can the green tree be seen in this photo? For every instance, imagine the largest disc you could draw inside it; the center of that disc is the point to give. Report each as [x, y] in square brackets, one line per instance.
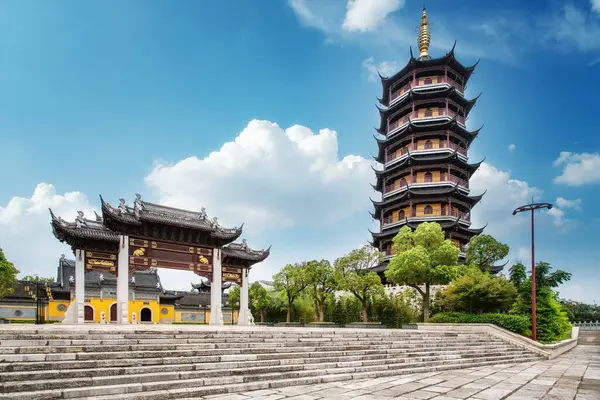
[233, 298]
[518, 274]
[479, 292]
[291, 280]
[321, 281]
[484, 251]
[8, 276]
[423, 257]
[552, 321]
[353, 274]
[579, 312]
[260, 299]
[36, 278]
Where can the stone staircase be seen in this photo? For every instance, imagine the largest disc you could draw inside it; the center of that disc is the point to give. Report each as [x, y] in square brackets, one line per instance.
[174, 361]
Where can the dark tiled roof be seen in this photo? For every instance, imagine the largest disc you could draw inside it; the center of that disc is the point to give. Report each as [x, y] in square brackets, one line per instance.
[205, 285]
[198, 299]
[143, 211]
[82, 228]
[242, 251]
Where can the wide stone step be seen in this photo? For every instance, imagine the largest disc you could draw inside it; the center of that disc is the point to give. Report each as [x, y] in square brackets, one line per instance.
[22, 362]
[62, 348]
[21, 381]
[230, 384]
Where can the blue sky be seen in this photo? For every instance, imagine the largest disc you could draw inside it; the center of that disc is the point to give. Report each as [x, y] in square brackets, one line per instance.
[157, 98]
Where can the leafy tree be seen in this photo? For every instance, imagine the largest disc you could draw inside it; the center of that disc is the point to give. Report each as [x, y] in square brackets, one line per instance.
[233, 298]
[423, 257]
[353, 274]
[484, 251]
[480, 292]
[8, 276]
[321, 281]
[577, 311]
[291, 280]
[260, 299]
[552, 321]
[304, 309]
[36, 278]
[518, 274]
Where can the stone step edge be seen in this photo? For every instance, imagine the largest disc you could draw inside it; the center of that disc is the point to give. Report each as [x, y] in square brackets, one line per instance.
[247, 356]
[193, 366]
[67, 349]
[104, 380]
[108, 392]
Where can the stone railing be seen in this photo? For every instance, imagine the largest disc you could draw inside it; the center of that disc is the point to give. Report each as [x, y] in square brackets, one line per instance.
[550, 351]
[588, 326]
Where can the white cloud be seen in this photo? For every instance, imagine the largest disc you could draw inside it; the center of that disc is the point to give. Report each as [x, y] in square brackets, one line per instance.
[579, 168]
[25, 232]
[595, 5]
[503, 195]
[564, 203]
[366, 15]
[269, 177]
[557, 215]
[512, 147]
[307, 16]
[385, 68]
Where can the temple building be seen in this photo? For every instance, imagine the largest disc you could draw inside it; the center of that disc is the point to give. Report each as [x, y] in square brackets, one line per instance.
[423, 146]
[148, 300]
[124, 247]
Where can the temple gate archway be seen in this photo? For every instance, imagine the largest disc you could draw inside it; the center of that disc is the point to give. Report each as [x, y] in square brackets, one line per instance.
[89, 314]
[145, 315]
[113, 312]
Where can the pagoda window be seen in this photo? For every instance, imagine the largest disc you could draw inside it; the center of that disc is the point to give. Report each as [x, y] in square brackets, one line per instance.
[403, 182]
[428, 177]
[443, 209]
[428, 145]
[401, 215]
[429, 112]
[427, 81]
[428, 210]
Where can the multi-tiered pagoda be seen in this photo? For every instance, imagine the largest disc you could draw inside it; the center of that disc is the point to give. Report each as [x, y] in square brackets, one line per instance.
[423, 143]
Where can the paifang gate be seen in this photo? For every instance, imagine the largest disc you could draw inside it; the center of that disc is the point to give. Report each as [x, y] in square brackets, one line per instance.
[127, 239]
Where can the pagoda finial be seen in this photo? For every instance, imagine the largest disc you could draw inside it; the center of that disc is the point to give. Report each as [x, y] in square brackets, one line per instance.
[424, 36]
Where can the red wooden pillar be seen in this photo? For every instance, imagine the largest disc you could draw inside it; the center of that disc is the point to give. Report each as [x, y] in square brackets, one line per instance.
[447, 107]
[446, 73]
[414, 78]
[448, 139]
[412, 178]
[412, 142]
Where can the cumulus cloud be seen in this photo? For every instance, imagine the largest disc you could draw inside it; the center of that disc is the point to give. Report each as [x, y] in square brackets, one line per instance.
[578, 168]
[269, 177]
[366, 15]
[385, 68]
[512, 147]
[25, 232]
[307, 16]
[503, 195]
[596, 5]
[564, 203]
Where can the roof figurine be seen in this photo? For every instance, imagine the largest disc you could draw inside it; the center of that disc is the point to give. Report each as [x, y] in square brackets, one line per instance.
[424, 37]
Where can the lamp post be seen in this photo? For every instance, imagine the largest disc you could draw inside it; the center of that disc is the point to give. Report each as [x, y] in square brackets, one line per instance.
[532, 207]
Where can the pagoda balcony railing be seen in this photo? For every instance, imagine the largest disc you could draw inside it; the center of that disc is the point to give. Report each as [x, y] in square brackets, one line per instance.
[427, 83]
[396, 219]
[402, 184]
[414, 148]
[443, 114]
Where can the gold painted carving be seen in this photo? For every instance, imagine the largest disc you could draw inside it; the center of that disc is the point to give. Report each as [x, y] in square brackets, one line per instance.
[139, 252]
[202, 260]
[154, 263]
[231, 276]
[191, 250]
[105, 263]
[154, 245]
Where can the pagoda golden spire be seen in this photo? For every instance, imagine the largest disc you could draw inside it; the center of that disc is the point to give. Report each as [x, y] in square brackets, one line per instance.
[424, 35]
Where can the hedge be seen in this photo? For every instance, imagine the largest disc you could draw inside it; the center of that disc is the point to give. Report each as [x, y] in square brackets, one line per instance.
[515, 323]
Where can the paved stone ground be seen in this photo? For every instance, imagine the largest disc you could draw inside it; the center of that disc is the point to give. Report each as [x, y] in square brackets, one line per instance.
[574, 375]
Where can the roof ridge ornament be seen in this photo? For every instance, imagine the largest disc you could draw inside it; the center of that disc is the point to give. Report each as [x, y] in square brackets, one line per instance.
[79, 220]
[122, 206]
[137, 205]
[424, 36]
[203, 214]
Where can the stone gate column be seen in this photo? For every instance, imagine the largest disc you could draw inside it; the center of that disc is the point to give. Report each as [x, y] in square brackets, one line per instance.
[216, 311]
[123, 280]
[244, 316]
[80, 285]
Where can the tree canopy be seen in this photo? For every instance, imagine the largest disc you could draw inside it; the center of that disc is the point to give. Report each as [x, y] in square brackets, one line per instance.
[321, 281]
[233, 299]
[484, 251]
[37, 278]
[291, 280]
[8, 276]
[259, 298]
[353, 274]
[423, 257]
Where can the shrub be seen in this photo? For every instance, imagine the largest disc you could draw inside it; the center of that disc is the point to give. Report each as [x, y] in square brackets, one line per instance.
[515, 323]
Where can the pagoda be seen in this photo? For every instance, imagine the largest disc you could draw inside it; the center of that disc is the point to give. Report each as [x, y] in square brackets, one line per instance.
[423, 146]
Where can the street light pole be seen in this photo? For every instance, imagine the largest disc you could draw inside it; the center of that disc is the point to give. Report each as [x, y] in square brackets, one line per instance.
[532, 207]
